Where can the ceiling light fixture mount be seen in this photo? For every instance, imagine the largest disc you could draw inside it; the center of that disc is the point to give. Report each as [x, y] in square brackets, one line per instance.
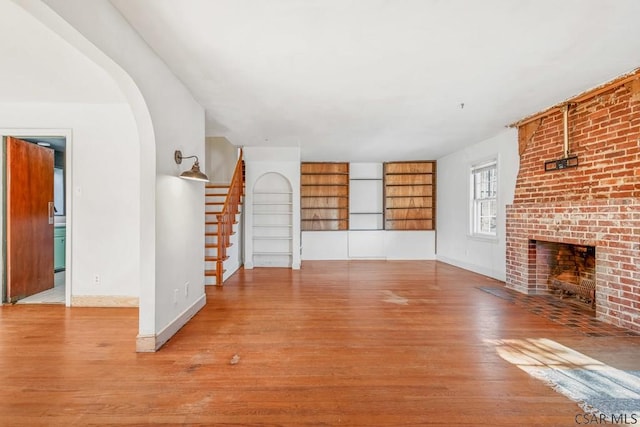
[194, 174]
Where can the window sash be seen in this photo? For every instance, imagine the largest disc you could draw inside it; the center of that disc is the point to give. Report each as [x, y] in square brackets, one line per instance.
[485, 217]
[484, 196]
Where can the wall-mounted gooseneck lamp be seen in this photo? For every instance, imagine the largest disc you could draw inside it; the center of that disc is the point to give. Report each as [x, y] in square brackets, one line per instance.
[194, 174]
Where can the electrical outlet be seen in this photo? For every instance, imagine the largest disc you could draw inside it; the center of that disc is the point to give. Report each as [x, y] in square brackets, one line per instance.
[186, 289]
[175, 297]
[96, 279]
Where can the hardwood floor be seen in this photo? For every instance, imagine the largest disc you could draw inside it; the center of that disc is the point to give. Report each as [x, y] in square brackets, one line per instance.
[337, 343]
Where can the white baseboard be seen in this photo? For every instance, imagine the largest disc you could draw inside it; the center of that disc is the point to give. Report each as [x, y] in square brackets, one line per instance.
[230, 270]
[471, 267]
[145, 343]
[104, 301]
[151, 343]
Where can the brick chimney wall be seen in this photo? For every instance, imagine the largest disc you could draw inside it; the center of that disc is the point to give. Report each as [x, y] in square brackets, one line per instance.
[596, 203]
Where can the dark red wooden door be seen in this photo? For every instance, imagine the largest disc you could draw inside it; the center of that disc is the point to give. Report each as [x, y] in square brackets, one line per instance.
[29, 218]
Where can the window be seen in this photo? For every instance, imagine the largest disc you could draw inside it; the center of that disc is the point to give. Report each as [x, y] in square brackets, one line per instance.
[484, 186]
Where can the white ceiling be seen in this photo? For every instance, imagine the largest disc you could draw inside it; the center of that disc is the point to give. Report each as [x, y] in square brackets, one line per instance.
[373, 80]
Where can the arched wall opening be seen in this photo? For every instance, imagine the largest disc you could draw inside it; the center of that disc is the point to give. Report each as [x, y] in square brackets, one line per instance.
[52, 90]
[167, 117]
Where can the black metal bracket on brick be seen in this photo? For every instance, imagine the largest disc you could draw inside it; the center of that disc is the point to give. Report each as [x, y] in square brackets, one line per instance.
[567, 162]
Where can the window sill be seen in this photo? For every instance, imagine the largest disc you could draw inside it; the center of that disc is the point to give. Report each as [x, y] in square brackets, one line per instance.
[484, 238]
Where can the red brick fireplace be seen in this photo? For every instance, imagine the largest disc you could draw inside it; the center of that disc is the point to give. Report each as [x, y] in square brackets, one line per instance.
[595, 204]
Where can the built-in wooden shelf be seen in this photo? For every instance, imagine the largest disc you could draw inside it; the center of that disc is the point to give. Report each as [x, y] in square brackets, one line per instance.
[409, 195]
[324, 196]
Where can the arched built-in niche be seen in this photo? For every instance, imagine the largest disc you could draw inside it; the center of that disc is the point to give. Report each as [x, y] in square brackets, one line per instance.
[272, 221]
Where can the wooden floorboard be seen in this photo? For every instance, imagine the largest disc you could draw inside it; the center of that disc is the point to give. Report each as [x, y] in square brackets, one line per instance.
[367, 343]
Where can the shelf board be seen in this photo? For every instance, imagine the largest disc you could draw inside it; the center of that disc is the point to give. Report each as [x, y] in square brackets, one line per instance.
[365, 179]
[324, 185]
[272, 203]
[326, 207]
[324, 173]
[409, 173]
[409, 219]
[273, 253]
[409, 185]
[365, 213]
[411, 208]
[407, 197]
[273, 192]
[273, 213]
[331, 196]
[325, 219]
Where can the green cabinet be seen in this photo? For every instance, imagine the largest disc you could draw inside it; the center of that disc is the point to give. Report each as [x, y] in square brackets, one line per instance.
[59, 237]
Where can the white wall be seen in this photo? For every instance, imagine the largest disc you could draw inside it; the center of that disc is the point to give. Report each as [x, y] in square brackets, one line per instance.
[455, 245]
[38, 66]
[168, 118]
[221, 159]
[103, 218]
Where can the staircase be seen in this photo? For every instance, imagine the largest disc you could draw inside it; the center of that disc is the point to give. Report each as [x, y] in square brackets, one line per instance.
[222, 207]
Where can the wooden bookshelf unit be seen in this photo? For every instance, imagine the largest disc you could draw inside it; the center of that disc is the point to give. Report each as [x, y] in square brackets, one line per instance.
[324, 196]
[409, 195]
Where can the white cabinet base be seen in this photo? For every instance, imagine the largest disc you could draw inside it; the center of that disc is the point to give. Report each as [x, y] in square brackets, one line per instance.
[325, 245]
[367, 244]
[376, 244]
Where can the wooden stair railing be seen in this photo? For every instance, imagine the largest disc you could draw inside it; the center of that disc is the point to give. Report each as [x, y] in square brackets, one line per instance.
[227, 217]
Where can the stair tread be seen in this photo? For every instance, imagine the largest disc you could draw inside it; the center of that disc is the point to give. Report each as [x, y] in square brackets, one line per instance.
[215, 245]
[211, 273]
[215, 259]
[217, 222]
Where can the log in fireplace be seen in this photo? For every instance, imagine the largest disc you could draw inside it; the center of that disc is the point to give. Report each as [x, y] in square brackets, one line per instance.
[570, 270]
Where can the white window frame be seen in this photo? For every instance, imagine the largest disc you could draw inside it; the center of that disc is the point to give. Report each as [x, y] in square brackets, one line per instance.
[479, 198]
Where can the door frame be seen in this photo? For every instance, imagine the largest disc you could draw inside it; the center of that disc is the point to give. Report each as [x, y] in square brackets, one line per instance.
[69, 208]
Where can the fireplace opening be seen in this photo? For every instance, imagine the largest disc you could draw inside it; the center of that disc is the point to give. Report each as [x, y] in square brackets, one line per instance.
[570, 270]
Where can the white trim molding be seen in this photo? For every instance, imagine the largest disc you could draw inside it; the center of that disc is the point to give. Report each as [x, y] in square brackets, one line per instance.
[152, 343]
